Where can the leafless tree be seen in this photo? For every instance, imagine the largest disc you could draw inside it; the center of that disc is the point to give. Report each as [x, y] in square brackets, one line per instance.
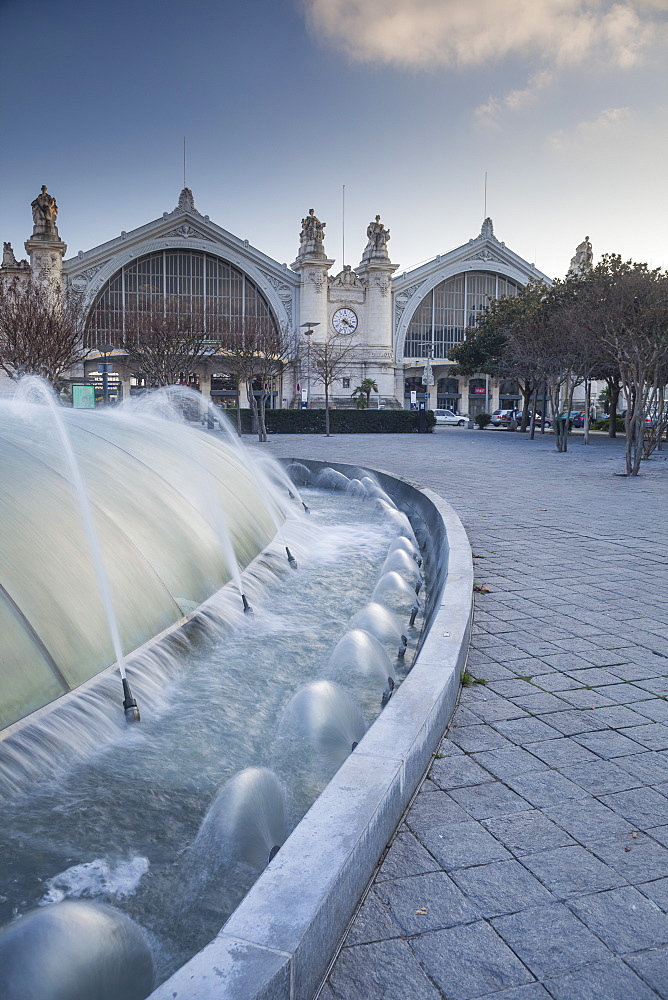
[164, 345]
[41, 329]
[330, 360]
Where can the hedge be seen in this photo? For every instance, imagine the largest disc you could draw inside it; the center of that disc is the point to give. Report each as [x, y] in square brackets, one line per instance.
[369, 421]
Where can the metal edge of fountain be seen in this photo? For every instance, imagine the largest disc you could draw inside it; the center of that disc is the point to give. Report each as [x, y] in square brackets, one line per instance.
[279, 942]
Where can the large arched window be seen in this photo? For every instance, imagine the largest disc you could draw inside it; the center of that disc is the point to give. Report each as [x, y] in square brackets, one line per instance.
[449, 308]
[179, 282]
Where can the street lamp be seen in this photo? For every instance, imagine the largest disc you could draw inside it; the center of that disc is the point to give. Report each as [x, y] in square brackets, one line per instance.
[308, 333]
[104, 368]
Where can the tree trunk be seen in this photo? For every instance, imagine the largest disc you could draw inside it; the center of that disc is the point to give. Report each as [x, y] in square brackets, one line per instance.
[527, 392]
[262, 426]
[587, 410]
[239, 412]
[614, 389]
[252, 401]
[326, 409]
[532, 432]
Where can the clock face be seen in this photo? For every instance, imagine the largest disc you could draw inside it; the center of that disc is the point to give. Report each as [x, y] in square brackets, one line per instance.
[344, 321]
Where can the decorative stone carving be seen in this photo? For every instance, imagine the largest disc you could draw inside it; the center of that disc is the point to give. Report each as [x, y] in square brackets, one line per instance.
[312, 235]
[347, 287]
[487, 230]
[583, 259]
[401, 298]
[377, 239]
[44, 214]
[188, 232]
[317, 278]
[187, 201]
[9, 261]
[346, 279]
[90, 272]
[382, 281]
[484, 255]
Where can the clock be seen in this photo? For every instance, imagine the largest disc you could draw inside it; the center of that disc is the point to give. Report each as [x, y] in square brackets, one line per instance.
[344, 321]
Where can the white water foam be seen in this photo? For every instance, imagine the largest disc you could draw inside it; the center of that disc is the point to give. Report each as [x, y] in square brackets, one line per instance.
[114, 880]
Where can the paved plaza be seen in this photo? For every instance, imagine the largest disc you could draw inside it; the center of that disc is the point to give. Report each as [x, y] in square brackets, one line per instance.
[533, 863]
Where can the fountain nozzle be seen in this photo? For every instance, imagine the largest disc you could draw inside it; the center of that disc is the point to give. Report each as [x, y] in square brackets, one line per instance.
[273, 852]
[418, 585]
[414, 613]
[291, 558]
[387, 693]
[306, 509]
[247, 608]
[292, 497]
[129, 704]
[402, 647]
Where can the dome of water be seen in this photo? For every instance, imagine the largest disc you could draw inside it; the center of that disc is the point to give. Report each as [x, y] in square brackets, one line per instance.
[393, 591]
[358, 653]
[402, 544]
[400, 521]
[328, 717]
[400, 562]
[380, 621]
[75, 951]
[246, 821]
[162, 496]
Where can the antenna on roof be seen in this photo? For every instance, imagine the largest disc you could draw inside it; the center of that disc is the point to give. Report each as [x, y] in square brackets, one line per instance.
[184, 161]
[343, 225]
[485, 215]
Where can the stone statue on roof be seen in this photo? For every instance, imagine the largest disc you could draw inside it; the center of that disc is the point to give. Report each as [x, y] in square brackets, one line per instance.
[583, 259]
[44, 215]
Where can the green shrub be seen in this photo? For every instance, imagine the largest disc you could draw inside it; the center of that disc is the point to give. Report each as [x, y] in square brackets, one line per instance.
[371, 421]
[482, 419]
[604, 424]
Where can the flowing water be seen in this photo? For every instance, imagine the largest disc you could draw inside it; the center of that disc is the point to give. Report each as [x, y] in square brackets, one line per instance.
[244, 720]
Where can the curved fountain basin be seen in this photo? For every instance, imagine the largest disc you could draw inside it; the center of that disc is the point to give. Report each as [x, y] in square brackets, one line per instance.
[154, 487]
[279, 942]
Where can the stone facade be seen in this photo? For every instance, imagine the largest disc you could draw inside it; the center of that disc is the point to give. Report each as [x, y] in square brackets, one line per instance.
[370, 302]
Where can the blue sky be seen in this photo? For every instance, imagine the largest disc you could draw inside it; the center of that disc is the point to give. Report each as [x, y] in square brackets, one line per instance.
[407, 102]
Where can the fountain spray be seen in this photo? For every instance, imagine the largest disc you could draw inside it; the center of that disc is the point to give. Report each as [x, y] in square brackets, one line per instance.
[45, 393]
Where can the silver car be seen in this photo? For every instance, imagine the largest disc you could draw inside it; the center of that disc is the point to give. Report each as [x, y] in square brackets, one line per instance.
[448, 417]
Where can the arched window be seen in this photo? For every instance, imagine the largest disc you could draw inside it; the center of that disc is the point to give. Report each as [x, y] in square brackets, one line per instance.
[443, 315]
[178, 282]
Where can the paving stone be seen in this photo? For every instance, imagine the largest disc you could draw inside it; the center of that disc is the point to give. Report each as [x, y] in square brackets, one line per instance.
[567, 662]
[659, 833]
[631, 672]
[656, 685]
[388, 969]
[449, 749]
[555, 682]
[561, 753]
[544, 788]
[372, 922]
[607, 743]
[653, 736]
[627, 694]
[623, 919]
[493, 799]
[527, 730]
[455, 772]
[406, 856]
[571, 722]
[657, 891]
[429, 786]
[464, 717]
[490, 706]
[653, 967]
[604, 981]
[503, 763]
[644, 861]
[618, 716]
[474, 738]
[643, 807]
[600, 776]
[572, 871]
[550, 940]
[589, 821]
[463, 845]
[433, 810]
[528, 832]
[406, 899]
[533, 991]
[540, 703]
[504, 887]
[650, 767]
[583, 697]
[470, 961]
[656, 709]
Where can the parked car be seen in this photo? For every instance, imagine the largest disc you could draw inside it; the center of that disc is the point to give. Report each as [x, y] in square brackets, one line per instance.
[503, 418]
[448, 417]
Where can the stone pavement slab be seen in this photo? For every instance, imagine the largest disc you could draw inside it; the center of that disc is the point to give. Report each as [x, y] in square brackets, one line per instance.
[533, 864]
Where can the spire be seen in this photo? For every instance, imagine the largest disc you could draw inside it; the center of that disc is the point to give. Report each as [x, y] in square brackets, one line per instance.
[487, 229]
[187, 201]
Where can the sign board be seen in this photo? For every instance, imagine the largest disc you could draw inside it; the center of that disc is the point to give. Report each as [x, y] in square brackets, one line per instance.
[83, 397]
[413, 397]
[102, 368]
[479, 390]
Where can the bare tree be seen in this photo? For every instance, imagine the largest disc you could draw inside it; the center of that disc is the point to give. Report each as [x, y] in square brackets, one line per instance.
[164, 345]
[41, 329]
[330, 359]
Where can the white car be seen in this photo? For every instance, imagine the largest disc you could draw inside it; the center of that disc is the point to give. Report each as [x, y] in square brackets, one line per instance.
[448, 417]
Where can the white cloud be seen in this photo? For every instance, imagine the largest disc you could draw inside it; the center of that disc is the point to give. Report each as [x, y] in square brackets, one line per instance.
[460, 33]
[608, 125]
[515, 100]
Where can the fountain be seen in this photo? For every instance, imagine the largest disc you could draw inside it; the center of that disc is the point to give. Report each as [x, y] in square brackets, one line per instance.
[244, 719]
